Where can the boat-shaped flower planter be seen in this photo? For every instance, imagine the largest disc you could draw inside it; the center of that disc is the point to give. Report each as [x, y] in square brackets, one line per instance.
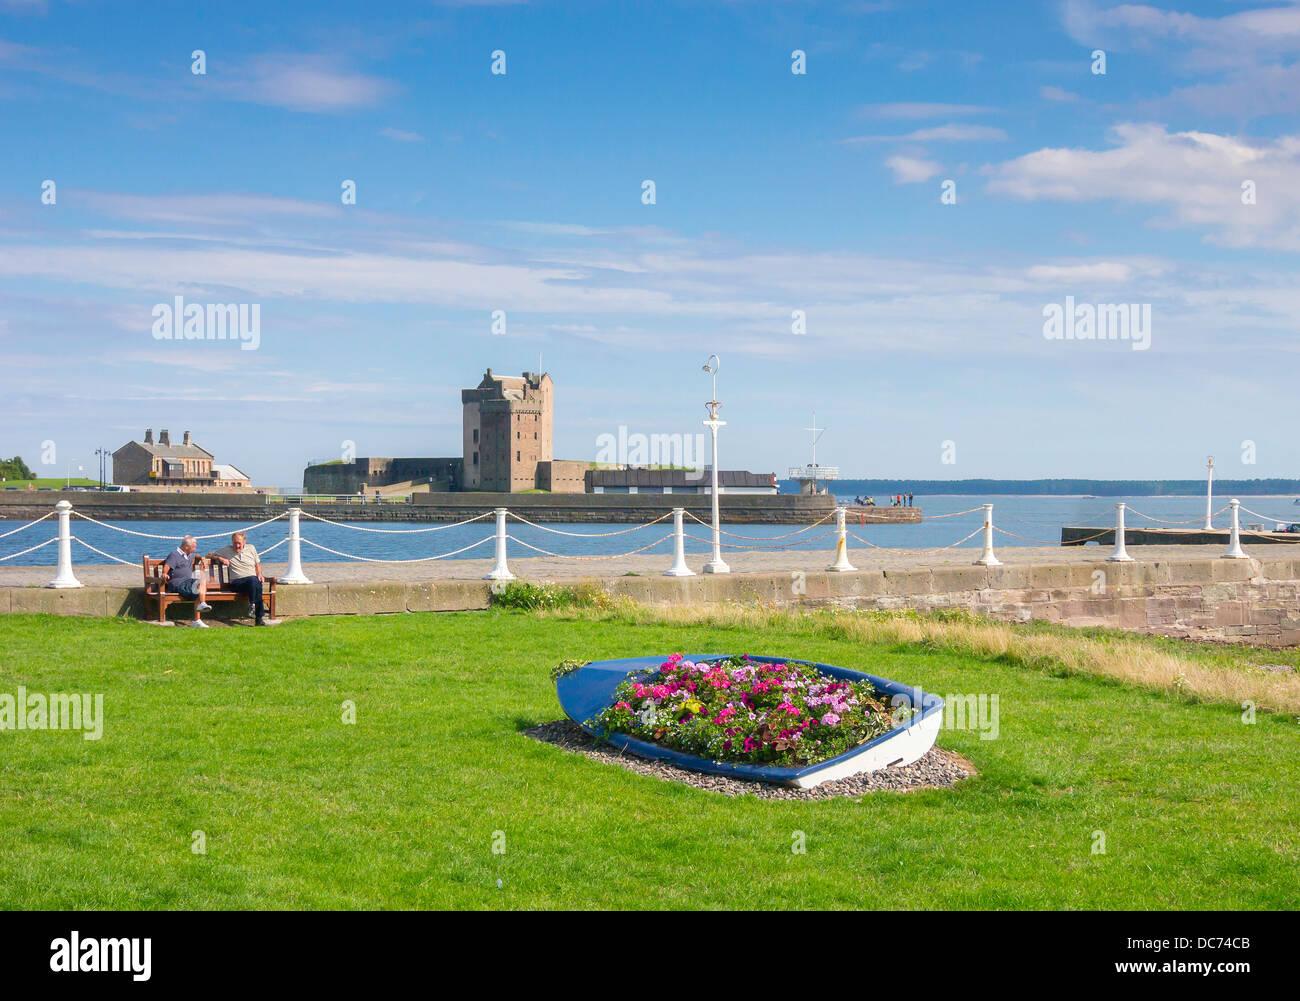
[589, 690]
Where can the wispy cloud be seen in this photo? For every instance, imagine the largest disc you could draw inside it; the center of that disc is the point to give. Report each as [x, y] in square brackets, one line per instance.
[311, 83]
[939, 133]
[921, 109]
[911, 170]
[401, 136]
[1053, 93]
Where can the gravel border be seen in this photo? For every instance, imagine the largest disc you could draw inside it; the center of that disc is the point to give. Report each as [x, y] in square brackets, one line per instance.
[938, 768]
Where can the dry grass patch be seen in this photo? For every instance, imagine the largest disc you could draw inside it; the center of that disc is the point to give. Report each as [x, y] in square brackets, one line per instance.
[1130, 661]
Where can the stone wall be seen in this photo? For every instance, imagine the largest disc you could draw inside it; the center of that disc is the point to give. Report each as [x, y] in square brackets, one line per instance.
[344, 478]
[781, 509]
[1253, 601]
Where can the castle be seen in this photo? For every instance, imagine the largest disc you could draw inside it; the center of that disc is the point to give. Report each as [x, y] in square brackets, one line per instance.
[507, 429]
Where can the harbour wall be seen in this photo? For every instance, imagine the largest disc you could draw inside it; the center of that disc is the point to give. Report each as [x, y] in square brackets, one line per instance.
[771, 509]
[1254, 601]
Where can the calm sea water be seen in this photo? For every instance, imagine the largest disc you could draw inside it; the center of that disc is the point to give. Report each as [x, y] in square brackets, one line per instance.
[1037, 520]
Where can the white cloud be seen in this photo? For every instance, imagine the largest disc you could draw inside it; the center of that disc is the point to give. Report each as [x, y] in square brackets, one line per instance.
[921, 109]
[1096, 271]
[939, 133]
[910, 170]
[311, 83]
[401, 136]
[1051, 93]
[1244, 63]
[210, 209]
[1196, 176]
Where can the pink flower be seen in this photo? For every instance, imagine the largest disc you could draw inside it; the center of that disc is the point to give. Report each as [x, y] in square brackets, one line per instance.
[830, 719]
[622, 705]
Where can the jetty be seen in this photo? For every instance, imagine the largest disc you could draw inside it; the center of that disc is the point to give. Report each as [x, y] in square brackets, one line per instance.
[1080, 535]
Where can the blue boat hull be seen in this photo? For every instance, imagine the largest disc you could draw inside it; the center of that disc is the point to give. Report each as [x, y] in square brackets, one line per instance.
[587, 691]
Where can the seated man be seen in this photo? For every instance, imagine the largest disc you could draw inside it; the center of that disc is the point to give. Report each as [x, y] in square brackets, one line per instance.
[178, 570]
[245, 574]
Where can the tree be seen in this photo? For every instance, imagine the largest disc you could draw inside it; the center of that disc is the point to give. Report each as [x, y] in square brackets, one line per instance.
[15, 469]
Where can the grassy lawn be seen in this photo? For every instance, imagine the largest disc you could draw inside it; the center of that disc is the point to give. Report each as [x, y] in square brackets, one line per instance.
[238, 733]
[53, 482]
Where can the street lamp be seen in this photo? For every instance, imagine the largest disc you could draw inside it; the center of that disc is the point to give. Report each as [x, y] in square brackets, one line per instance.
[715, 565]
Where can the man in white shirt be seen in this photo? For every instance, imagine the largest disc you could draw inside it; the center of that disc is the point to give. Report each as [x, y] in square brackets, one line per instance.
[245, 573]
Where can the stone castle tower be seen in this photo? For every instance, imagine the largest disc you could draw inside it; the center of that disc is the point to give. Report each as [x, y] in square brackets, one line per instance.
[507, 431]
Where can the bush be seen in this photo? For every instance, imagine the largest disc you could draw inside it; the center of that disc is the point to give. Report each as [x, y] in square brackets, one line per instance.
[550, 596]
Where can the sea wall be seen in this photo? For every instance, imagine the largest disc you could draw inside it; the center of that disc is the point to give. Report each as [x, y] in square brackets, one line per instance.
[773, 509]
[1241, 601]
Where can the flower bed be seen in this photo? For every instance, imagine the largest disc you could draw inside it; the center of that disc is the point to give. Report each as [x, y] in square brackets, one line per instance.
[740, 710]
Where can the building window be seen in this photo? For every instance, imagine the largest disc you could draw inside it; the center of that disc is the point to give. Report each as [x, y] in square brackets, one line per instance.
[534, 436]
[518, 458]
[476, 458]
[476, 436]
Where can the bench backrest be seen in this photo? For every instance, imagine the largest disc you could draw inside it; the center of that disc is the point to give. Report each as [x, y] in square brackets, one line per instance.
[155, 578]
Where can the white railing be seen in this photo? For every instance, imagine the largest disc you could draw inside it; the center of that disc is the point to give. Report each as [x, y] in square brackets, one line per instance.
[501, 538]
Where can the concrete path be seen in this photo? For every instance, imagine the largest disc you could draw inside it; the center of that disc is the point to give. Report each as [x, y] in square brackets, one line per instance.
[547, 567]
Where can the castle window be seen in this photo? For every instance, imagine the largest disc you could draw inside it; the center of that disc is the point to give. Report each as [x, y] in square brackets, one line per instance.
[476, 458]
[518, 458]
[476, 436]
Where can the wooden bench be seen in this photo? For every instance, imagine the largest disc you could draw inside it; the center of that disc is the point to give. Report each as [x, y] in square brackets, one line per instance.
[155, 585]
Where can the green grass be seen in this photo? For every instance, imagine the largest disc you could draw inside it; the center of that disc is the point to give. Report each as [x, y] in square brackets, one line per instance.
[54, 482]
[238, 733]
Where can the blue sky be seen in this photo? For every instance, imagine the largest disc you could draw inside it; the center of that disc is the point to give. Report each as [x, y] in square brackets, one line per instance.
[775, 192]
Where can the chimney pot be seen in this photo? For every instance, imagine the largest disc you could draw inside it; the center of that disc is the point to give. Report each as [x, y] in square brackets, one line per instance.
[148, 436]
[164, 437]
[187, 438]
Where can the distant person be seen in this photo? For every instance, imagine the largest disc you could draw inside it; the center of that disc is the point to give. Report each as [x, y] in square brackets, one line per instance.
[245, 574]
[909, 498]
[178, 572]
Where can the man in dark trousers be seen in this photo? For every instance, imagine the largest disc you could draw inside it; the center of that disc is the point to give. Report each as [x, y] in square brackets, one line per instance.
[245, 574]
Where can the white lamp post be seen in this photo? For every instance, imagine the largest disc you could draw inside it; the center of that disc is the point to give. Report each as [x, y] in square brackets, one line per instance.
[715, 565]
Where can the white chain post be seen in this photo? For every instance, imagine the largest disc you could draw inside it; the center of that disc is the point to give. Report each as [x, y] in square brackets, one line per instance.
[294, 574]
[1120, 555]
[988, 559]
[501, 571]
[679, 567]
[1234, 538]
[842, 564]
[63, 576]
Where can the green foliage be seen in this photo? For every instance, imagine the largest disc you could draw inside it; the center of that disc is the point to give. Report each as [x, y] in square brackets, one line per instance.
[566, 667]
[15, 469]
[548, 596]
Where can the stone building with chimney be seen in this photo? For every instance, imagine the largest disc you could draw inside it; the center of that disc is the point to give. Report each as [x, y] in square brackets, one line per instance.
[160, 463]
